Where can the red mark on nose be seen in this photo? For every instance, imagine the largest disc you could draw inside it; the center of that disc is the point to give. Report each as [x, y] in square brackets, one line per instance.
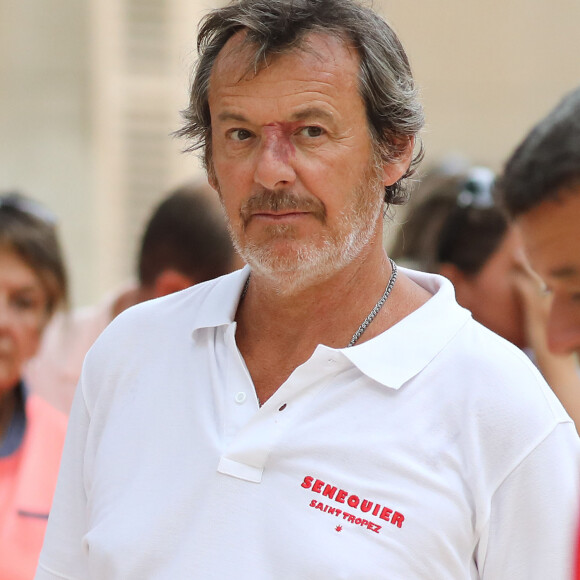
[277, 140]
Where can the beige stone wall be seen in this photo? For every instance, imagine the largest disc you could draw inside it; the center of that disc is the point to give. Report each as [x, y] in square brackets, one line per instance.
[89, 92]
[44, 130]
[487, 70]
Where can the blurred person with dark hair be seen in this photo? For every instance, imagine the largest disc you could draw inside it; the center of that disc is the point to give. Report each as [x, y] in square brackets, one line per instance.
[320, 413]
[33, 286]
[185, 242]
[540, 188]
[455, 228]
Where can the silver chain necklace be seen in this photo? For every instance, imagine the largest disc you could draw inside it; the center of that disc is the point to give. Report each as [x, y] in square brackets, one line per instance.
[377, 307]
[372, 313]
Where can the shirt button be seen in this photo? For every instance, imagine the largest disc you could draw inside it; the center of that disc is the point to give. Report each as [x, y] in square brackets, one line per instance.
[240, 397]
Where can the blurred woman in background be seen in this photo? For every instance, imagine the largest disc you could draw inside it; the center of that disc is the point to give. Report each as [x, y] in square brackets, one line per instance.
[454, 228]
[32, 287]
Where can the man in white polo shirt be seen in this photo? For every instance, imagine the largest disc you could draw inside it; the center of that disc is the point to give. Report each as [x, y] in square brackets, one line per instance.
[318, 414]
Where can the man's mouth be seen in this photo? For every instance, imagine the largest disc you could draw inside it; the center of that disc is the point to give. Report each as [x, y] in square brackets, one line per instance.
[280, 214]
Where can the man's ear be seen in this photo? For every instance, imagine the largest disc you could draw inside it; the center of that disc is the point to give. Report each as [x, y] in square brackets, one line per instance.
[394, 170]
[211, 177]
[170, 281]
[212, 181]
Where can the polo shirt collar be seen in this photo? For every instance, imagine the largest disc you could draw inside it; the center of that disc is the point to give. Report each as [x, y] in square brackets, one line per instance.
[404, 350]
[393, 357]
[220, 303]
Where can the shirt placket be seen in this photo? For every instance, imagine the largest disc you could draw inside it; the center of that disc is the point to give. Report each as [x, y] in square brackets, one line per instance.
[246, 452]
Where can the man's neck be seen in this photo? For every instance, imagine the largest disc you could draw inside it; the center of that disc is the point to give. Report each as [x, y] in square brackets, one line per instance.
[278, 331]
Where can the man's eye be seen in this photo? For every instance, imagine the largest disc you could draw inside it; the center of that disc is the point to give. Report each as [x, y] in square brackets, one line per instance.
[240, 134]
[312, 131]
[25, 303]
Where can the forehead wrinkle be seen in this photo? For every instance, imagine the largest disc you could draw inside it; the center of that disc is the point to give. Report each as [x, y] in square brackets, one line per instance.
[312, 112]
[237, 52]
[240, 50]
[261, 87]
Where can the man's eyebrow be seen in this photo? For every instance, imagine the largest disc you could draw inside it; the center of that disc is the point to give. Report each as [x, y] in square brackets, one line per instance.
[229, 116]
[29, 289]
[564, 272]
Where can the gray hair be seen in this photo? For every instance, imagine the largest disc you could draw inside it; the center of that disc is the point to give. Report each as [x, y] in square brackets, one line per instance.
[275, 27]
[547, 160]
[29, 229]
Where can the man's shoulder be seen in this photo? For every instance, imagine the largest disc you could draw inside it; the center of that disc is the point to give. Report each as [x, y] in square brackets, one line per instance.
[149, 323]
[190, 306]
[500, 377]
[477, 349]
[462, 348]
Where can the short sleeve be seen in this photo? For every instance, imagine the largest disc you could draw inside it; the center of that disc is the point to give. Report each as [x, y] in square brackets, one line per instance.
[533, 518]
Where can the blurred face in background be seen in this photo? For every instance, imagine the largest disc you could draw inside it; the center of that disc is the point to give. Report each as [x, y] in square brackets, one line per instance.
[23, 315]
[551, 233]
[492, 294]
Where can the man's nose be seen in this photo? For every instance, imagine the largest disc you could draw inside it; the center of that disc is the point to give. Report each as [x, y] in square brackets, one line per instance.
[564, 327]
[274, 163]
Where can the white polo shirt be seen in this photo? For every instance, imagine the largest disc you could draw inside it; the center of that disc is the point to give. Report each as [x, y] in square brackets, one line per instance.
[433, 451]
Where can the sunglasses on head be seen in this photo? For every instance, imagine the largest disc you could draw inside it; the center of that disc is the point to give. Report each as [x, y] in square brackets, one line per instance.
[477, 190]
[16, 202]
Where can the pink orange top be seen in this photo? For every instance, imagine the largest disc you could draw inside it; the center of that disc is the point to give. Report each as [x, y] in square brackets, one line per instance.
[27, 482]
